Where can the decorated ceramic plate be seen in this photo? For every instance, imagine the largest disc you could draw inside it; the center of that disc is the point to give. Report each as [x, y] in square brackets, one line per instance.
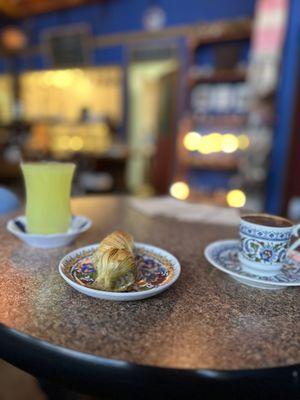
[223, 255]
[157, 271]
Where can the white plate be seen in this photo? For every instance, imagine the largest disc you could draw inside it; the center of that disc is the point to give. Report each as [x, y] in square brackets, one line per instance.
[157, 270]
[223, 255]
[79, 224]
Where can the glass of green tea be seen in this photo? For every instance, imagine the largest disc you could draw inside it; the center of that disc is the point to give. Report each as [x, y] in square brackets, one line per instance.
[48, 192]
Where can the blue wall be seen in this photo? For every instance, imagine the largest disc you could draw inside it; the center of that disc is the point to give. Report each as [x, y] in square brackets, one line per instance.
[116, 16]
[109, 17]
[126, 15]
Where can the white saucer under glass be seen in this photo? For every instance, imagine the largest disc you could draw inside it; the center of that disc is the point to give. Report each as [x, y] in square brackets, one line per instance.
[79, 224]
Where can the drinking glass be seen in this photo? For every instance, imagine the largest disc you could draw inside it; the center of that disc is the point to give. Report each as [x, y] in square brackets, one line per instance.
[48, 190]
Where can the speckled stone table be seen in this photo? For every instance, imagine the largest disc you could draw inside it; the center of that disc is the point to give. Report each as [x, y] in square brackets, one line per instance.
[207, 324]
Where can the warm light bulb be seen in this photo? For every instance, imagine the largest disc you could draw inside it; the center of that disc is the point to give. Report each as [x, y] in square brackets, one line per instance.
[76, 143]
[191, 141]
[230, 143]
[215, 142]
[236, 198]
[180, 190]
[204, 145]
[244, 142]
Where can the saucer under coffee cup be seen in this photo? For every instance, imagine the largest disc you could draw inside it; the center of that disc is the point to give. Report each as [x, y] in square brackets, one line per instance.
[265, 240]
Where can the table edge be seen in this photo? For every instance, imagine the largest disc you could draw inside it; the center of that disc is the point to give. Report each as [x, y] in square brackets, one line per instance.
[15, 345]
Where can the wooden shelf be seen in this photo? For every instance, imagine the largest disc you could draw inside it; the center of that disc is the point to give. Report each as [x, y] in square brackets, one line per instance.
[223, 31]
[227, 72]
[234, 75]
[211, 162]
[233, 121]
[226, 37]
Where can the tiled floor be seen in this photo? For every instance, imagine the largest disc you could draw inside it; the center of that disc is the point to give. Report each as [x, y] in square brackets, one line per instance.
[17, 385]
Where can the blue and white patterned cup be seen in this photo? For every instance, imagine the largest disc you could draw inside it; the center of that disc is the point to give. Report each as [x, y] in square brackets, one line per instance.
[265, 240]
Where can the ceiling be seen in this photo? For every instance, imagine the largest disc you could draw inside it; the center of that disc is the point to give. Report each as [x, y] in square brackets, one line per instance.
[25, 8]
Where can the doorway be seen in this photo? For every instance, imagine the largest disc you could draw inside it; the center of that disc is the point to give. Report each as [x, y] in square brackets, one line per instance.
[151, 127]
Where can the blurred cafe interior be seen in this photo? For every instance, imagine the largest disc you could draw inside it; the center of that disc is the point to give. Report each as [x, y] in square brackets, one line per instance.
[153, 97]
[195, 102]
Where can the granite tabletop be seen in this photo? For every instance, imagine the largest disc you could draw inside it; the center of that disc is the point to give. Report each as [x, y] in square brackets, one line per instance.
[205, 321]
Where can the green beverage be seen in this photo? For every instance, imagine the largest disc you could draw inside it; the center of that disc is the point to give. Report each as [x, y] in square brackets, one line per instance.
[48, 190]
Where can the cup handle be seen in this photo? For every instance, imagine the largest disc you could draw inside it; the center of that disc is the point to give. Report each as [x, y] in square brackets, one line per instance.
[295, 233]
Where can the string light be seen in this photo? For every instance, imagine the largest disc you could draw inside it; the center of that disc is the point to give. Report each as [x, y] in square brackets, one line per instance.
[191, 141]
[236, 198]
[244, 142]
[230, 143]
[215, 142]
[180, 190]
[204, 146]
[76, 143]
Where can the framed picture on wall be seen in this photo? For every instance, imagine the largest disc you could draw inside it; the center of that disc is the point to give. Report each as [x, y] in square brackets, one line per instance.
[67, 46]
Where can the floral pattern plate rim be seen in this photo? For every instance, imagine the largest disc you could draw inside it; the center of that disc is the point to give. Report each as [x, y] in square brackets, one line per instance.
[157, 271]
[223, 254]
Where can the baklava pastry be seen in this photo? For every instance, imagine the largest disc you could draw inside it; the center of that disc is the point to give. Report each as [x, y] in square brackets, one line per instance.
[116, 270]
[117, 240]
